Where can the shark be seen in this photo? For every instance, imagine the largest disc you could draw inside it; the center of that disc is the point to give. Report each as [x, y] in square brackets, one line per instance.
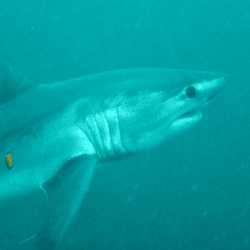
[54, 135]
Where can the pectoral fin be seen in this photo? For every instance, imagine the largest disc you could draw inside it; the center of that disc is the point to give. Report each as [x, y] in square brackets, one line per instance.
[65, 191]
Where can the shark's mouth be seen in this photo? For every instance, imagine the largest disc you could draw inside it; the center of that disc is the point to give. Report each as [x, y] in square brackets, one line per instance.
[190, 116]
[187, 120]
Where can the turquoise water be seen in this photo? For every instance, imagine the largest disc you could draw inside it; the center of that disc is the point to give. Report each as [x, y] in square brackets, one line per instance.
[193, 192]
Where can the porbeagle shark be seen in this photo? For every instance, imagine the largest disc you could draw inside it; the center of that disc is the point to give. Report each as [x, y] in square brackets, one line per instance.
[54, 135]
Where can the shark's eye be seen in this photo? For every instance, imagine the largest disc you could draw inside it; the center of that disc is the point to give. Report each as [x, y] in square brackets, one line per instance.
[190, 92]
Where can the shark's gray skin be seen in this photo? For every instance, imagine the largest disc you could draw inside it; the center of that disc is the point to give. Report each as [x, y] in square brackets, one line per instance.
[58, 133]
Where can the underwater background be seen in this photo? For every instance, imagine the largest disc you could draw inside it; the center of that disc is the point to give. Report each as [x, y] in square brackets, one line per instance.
[192, 192]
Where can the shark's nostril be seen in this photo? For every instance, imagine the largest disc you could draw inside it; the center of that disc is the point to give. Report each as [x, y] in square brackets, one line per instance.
[190, 92]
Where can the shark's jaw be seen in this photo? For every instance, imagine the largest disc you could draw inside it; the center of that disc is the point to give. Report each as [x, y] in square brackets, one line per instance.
[188, 119]
[191, 115]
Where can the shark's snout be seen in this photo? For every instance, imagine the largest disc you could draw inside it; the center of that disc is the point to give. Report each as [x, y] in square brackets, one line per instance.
[214, 87]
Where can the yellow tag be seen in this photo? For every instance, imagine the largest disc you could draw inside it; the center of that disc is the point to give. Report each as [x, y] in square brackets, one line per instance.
[9, 160]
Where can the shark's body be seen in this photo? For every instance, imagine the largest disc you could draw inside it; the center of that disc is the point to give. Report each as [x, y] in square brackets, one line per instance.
[57, 133]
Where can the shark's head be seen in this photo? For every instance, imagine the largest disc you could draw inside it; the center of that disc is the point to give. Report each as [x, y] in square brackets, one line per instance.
[146, 112]
[149, 118]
